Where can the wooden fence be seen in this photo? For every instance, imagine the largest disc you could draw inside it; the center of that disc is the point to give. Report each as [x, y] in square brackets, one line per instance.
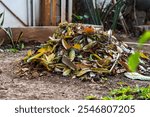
[50, 11]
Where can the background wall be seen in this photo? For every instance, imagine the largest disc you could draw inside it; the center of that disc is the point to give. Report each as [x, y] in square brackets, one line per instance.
[19, 13]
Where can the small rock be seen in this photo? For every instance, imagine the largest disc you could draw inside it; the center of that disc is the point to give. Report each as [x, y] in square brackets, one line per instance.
[44, 73]
[35, 74]
[25, 69]
[1, 50]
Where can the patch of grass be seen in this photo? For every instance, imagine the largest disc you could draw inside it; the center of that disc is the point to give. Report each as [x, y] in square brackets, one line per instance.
[128, 93]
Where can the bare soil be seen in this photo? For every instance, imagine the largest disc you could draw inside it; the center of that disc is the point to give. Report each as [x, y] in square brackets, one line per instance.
[44, 85]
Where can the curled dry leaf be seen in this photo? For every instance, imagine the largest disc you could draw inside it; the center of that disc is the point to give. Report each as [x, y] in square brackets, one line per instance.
[68, 62]
[66, 72]
[65, 44]
[72, 54]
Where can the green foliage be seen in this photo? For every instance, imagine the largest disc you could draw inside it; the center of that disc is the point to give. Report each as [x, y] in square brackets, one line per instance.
[128, 93]
[80, 18]
[99, 14]
[144, 38]
[93, 12]
[16, 44]
[133, 60]
[118, 8]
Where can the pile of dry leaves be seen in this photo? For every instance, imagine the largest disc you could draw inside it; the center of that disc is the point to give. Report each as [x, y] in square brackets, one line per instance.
[82, 51]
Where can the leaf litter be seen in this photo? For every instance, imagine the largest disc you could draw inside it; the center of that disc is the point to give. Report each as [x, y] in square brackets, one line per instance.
[85, 52]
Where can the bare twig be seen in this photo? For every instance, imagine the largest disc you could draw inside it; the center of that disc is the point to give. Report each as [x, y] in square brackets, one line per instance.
[115, 62]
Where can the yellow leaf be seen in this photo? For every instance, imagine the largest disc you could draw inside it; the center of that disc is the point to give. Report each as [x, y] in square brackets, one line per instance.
[72, 54]
[29, 53]
[77, 46]
[100, 70]
[65, 44]
[45, 64]
[66, 72]
[53, 48]
[89, 46]
[144, 56]
[42, 50]
[35, 57]
[60, 66]
[83, 71]
[49, 58]
[97, 56]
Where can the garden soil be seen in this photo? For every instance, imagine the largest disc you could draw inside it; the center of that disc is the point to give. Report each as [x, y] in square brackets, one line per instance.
[42, 85]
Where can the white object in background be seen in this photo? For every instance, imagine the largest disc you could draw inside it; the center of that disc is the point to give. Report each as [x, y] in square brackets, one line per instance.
[136, 76]
[63, 11]
[70, 2]
[20, 13]
[36, 12]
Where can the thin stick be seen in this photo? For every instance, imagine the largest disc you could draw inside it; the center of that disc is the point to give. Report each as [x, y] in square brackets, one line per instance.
[115, 62]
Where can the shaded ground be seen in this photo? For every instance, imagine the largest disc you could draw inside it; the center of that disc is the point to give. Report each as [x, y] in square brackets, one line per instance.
[51, 86]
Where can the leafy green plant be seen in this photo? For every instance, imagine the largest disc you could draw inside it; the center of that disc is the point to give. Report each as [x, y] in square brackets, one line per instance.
[133, 60]
[128, 93]
[117, 9]
[16, 44]
[93, 12]
[80, 18]
[100, 14]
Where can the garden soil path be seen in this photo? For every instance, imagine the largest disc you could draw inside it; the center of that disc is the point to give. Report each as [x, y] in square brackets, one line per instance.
[49, 85]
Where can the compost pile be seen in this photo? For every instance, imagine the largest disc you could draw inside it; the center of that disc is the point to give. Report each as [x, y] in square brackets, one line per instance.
[82, 51]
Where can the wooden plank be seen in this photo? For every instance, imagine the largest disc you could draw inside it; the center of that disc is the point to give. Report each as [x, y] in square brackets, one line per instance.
[29, 12]
[54, 14]
[45, 12]
[39, 34]
[63, 11]
[70, 6]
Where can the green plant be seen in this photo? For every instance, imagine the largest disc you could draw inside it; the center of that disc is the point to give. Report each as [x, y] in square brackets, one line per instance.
[134, 59]
[128, 93]
[80, 18]
[93, 12]
[117, 9]
[100, 14]
[16, 44]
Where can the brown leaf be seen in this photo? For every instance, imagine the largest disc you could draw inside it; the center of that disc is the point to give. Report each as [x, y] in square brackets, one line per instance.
[68, 62]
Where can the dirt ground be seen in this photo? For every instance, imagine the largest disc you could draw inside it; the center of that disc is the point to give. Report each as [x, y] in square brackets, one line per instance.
[44, 85]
